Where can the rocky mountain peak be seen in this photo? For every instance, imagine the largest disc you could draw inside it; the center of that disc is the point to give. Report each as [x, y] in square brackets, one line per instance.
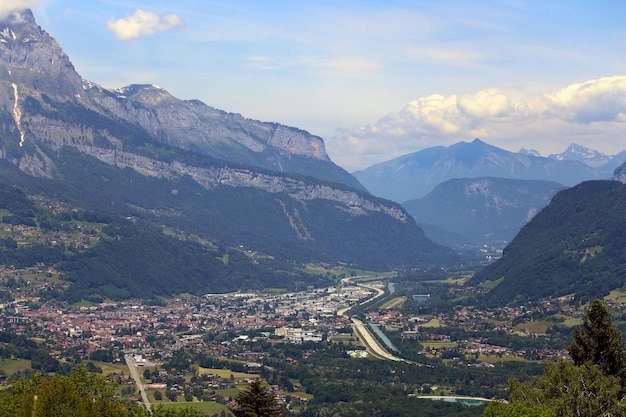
[589, 157]
[529, 152]
[40, 76]
[32, 58]
[147, 94]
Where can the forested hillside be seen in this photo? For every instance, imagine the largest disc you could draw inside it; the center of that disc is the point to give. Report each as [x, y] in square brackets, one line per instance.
[96, 256]
[575, 246]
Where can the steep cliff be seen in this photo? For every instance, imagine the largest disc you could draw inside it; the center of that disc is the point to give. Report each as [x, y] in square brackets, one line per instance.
[37, 67]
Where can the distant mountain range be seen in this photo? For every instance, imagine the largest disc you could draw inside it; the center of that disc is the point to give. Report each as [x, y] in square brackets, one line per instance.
[412, 176]
[589, 157]
[482, 210]
[139, 152]
[575, 247]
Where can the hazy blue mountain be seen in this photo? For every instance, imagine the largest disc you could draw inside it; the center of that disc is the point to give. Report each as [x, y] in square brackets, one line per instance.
[532, 152]
[619, 174]
[576, 246]
[412, 176]
[482, 210]
[616, 161]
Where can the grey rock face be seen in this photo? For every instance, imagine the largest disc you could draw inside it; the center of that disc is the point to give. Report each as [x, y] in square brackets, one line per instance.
[35, 64]
[30, 57]
[194, 125]
[41, 82]
[210, 177]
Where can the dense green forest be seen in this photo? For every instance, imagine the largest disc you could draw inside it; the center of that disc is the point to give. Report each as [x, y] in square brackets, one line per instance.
[136, 262]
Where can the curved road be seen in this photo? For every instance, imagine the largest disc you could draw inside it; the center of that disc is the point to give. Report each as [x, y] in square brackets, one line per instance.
[132, 366]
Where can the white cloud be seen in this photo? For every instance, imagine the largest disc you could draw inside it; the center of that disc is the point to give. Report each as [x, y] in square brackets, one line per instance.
[8, 6]
[143, 23]
[592, 113]
[601, 100]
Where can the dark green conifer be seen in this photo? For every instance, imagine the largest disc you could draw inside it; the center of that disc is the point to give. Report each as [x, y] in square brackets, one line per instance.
[599, 342]
[256, 400]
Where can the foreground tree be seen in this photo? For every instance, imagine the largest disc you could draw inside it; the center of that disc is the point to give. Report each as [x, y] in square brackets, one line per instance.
[256, 400]
[599, 342]
[591, 386]
[80, 394]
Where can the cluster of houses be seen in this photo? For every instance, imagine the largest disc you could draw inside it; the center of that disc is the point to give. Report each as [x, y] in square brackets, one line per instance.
[294, 317]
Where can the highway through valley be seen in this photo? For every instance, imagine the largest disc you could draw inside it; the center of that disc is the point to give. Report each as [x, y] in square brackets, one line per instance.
[132, 366]
[371, 343]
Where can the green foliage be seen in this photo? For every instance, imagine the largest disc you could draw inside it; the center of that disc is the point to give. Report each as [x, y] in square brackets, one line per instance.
[131, 263]
[161, 411]
[18, 346]
[576, 244]
[500, 409]
[256, 400]
[591, 386]
[599, 343]
[16, 201]
[568, 390]
[80, 394]
[128, 261]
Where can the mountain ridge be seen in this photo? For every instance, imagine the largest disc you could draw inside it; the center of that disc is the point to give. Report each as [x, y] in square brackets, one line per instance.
[39, 68]
[484, 210]
[411, 176]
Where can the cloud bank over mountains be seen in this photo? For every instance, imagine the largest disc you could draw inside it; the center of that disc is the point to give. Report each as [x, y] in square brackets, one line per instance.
[592, 113]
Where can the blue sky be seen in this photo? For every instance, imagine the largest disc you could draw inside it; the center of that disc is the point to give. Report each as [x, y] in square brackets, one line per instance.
[375, 79]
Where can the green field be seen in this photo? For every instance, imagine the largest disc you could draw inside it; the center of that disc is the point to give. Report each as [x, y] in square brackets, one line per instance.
[11, 366]
[433, 323]
[503, 358]
[207, 407]
[433, 344]
[109, 368]
[394, 303]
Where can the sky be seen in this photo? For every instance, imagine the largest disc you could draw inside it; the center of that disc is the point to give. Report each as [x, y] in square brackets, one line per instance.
[374, 79]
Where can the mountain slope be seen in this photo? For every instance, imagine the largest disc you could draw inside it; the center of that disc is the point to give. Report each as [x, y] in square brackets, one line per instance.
[483, 210]
[194, 126]
[37, 67]
[575, 245]
[122, 152]
[412, 176]
[101, 256]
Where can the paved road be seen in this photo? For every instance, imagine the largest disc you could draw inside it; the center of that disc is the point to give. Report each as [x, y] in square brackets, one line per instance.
[132, 366]
[365, 335]
[371, 343]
